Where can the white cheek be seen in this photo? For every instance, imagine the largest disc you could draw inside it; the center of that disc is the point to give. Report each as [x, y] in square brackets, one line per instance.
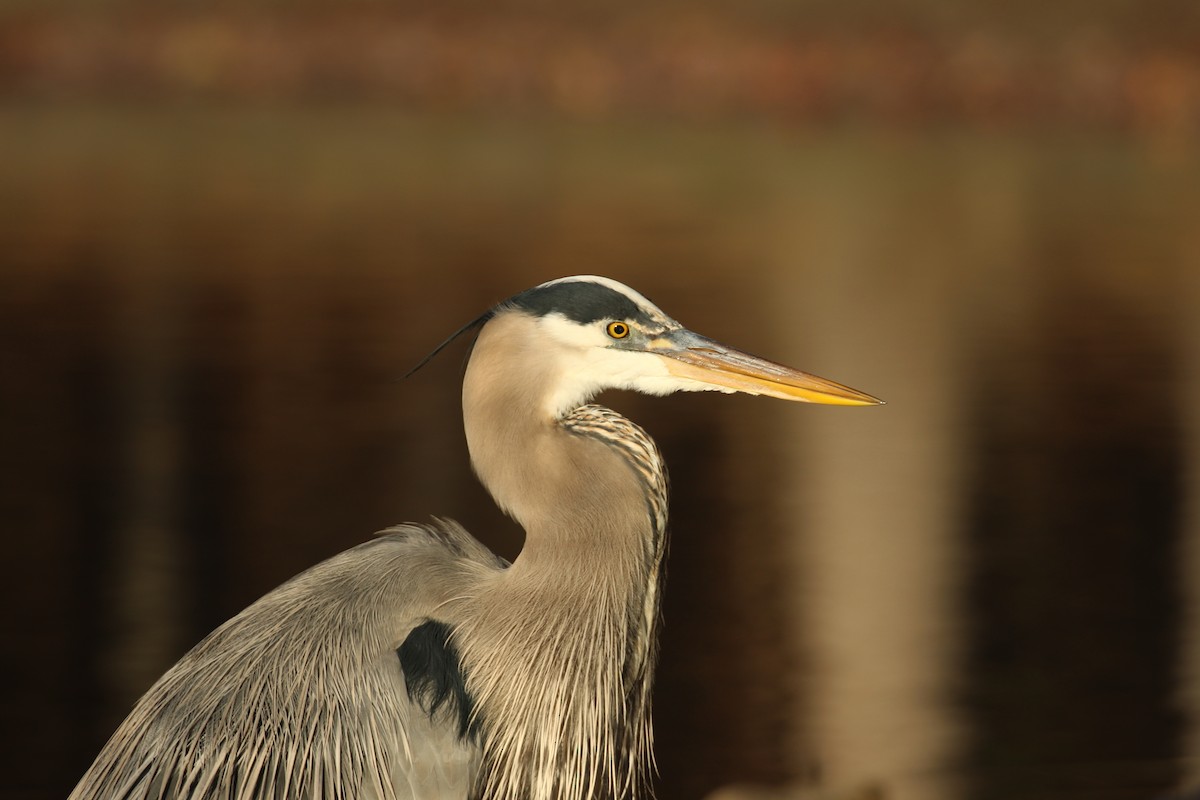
[588, 364]
[601, 368]
[669, 384]
[622, 368]
[558, 328]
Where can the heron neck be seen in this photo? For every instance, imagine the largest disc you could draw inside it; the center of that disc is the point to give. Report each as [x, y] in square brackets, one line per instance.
[559, 648]
[577, 483]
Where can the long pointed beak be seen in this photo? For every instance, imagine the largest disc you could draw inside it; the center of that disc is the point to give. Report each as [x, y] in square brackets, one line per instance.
[697, 358]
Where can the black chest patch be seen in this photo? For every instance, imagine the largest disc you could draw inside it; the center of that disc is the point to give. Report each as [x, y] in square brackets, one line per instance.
[433, 674]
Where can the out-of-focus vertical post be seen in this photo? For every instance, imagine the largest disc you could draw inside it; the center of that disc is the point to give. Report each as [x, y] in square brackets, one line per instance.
[146, 583]
[877, 492]
[876, 549]
[1189, 557]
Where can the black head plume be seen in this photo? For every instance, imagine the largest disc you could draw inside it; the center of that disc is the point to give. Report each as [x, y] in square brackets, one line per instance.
[472, 325]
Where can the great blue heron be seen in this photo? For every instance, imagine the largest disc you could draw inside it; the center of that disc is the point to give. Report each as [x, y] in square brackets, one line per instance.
[420, 665]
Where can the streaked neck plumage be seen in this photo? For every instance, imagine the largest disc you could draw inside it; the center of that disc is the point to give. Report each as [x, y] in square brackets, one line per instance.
[558, 651]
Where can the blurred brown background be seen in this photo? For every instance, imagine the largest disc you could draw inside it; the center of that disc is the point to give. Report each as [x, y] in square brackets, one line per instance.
[226, 230]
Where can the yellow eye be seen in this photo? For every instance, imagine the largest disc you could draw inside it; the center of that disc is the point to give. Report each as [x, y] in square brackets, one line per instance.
[617, 330]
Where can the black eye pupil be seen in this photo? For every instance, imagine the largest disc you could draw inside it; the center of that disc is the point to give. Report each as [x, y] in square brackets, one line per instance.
[617, 329]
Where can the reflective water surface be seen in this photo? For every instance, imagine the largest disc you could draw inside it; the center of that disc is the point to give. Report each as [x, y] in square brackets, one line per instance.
[985, 589]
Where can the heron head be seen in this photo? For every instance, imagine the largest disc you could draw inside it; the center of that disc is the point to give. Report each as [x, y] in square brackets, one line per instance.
[600, 334]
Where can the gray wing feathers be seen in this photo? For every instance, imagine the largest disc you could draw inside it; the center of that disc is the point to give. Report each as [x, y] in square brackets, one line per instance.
[302, 695]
